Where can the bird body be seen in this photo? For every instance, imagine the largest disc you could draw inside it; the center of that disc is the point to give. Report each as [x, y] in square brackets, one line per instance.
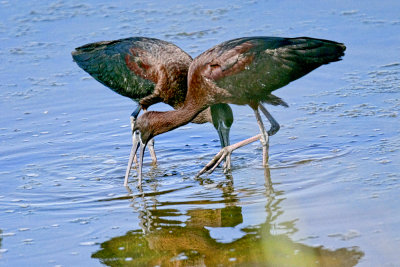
[148, 71]
[243, 71]
[246, 70]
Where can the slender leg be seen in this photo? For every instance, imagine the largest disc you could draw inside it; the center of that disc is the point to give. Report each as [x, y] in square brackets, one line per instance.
[227, 164]
[274, 124]
[152, 151]
[264, 137]
[268, 183]
[151, 148]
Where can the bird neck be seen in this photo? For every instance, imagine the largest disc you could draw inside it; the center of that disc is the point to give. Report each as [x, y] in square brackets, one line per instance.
[155, 123]
[166, 121]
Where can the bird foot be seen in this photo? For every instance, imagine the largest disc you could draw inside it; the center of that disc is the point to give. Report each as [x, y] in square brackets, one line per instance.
[222, 154]
[227, 164]
[225, 153]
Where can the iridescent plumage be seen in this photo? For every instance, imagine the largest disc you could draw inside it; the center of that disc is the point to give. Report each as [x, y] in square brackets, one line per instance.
[148, 71]
[243, 71]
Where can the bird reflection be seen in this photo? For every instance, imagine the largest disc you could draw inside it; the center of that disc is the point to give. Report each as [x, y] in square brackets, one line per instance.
[173, 235]
[0, 236]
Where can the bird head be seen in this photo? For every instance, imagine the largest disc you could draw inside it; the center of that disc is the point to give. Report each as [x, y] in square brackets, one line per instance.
[144, 126]
[153, 123]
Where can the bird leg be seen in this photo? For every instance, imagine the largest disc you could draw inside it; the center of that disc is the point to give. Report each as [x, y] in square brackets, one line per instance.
[264, 137]
[210, 167]
[151, 147]
[227, 164]
[152, 151]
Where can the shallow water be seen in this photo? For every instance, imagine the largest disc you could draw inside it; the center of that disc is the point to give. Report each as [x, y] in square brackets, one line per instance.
[329, 198]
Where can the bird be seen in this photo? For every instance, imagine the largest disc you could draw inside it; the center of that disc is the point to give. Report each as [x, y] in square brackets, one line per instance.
[242, 71]
[148, 71]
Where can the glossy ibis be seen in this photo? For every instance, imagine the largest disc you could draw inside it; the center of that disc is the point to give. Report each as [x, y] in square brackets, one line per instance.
[148, 71]
[242, 71]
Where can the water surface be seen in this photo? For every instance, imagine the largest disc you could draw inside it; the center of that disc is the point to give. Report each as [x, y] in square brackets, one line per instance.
[330, 196]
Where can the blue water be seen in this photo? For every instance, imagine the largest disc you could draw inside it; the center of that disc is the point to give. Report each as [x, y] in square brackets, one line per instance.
[329, 198]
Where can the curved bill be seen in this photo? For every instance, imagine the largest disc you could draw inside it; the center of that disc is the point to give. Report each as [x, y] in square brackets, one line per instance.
[141, 154]
[135, 146]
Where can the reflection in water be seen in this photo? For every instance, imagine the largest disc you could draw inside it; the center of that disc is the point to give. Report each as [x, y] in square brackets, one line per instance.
[173, 237]
[1, 250]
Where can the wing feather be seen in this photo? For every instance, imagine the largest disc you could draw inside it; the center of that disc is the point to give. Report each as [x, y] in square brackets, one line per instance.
[130, 66]
[251, 68]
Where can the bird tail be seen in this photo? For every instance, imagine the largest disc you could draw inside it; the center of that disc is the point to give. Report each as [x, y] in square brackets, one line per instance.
[317, 51]
[275, 101]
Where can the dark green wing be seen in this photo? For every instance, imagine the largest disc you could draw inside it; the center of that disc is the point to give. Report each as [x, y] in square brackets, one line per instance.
[251, 68]
[127, 66]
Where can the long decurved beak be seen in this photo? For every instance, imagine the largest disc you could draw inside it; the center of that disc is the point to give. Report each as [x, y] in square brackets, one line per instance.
[135, 146]
[141, 154]
[137, 142]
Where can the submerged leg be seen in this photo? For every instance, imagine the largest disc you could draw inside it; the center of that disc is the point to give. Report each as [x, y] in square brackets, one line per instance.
[263, 137]
[152, 151]
[151, 148]
[274, 124]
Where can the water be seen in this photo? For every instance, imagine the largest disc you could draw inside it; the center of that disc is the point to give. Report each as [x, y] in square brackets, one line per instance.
[329, 198]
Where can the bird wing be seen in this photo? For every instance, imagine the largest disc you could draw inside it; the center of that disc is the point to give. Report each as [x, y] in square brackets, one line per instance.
[251, 68]
[130, 66]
